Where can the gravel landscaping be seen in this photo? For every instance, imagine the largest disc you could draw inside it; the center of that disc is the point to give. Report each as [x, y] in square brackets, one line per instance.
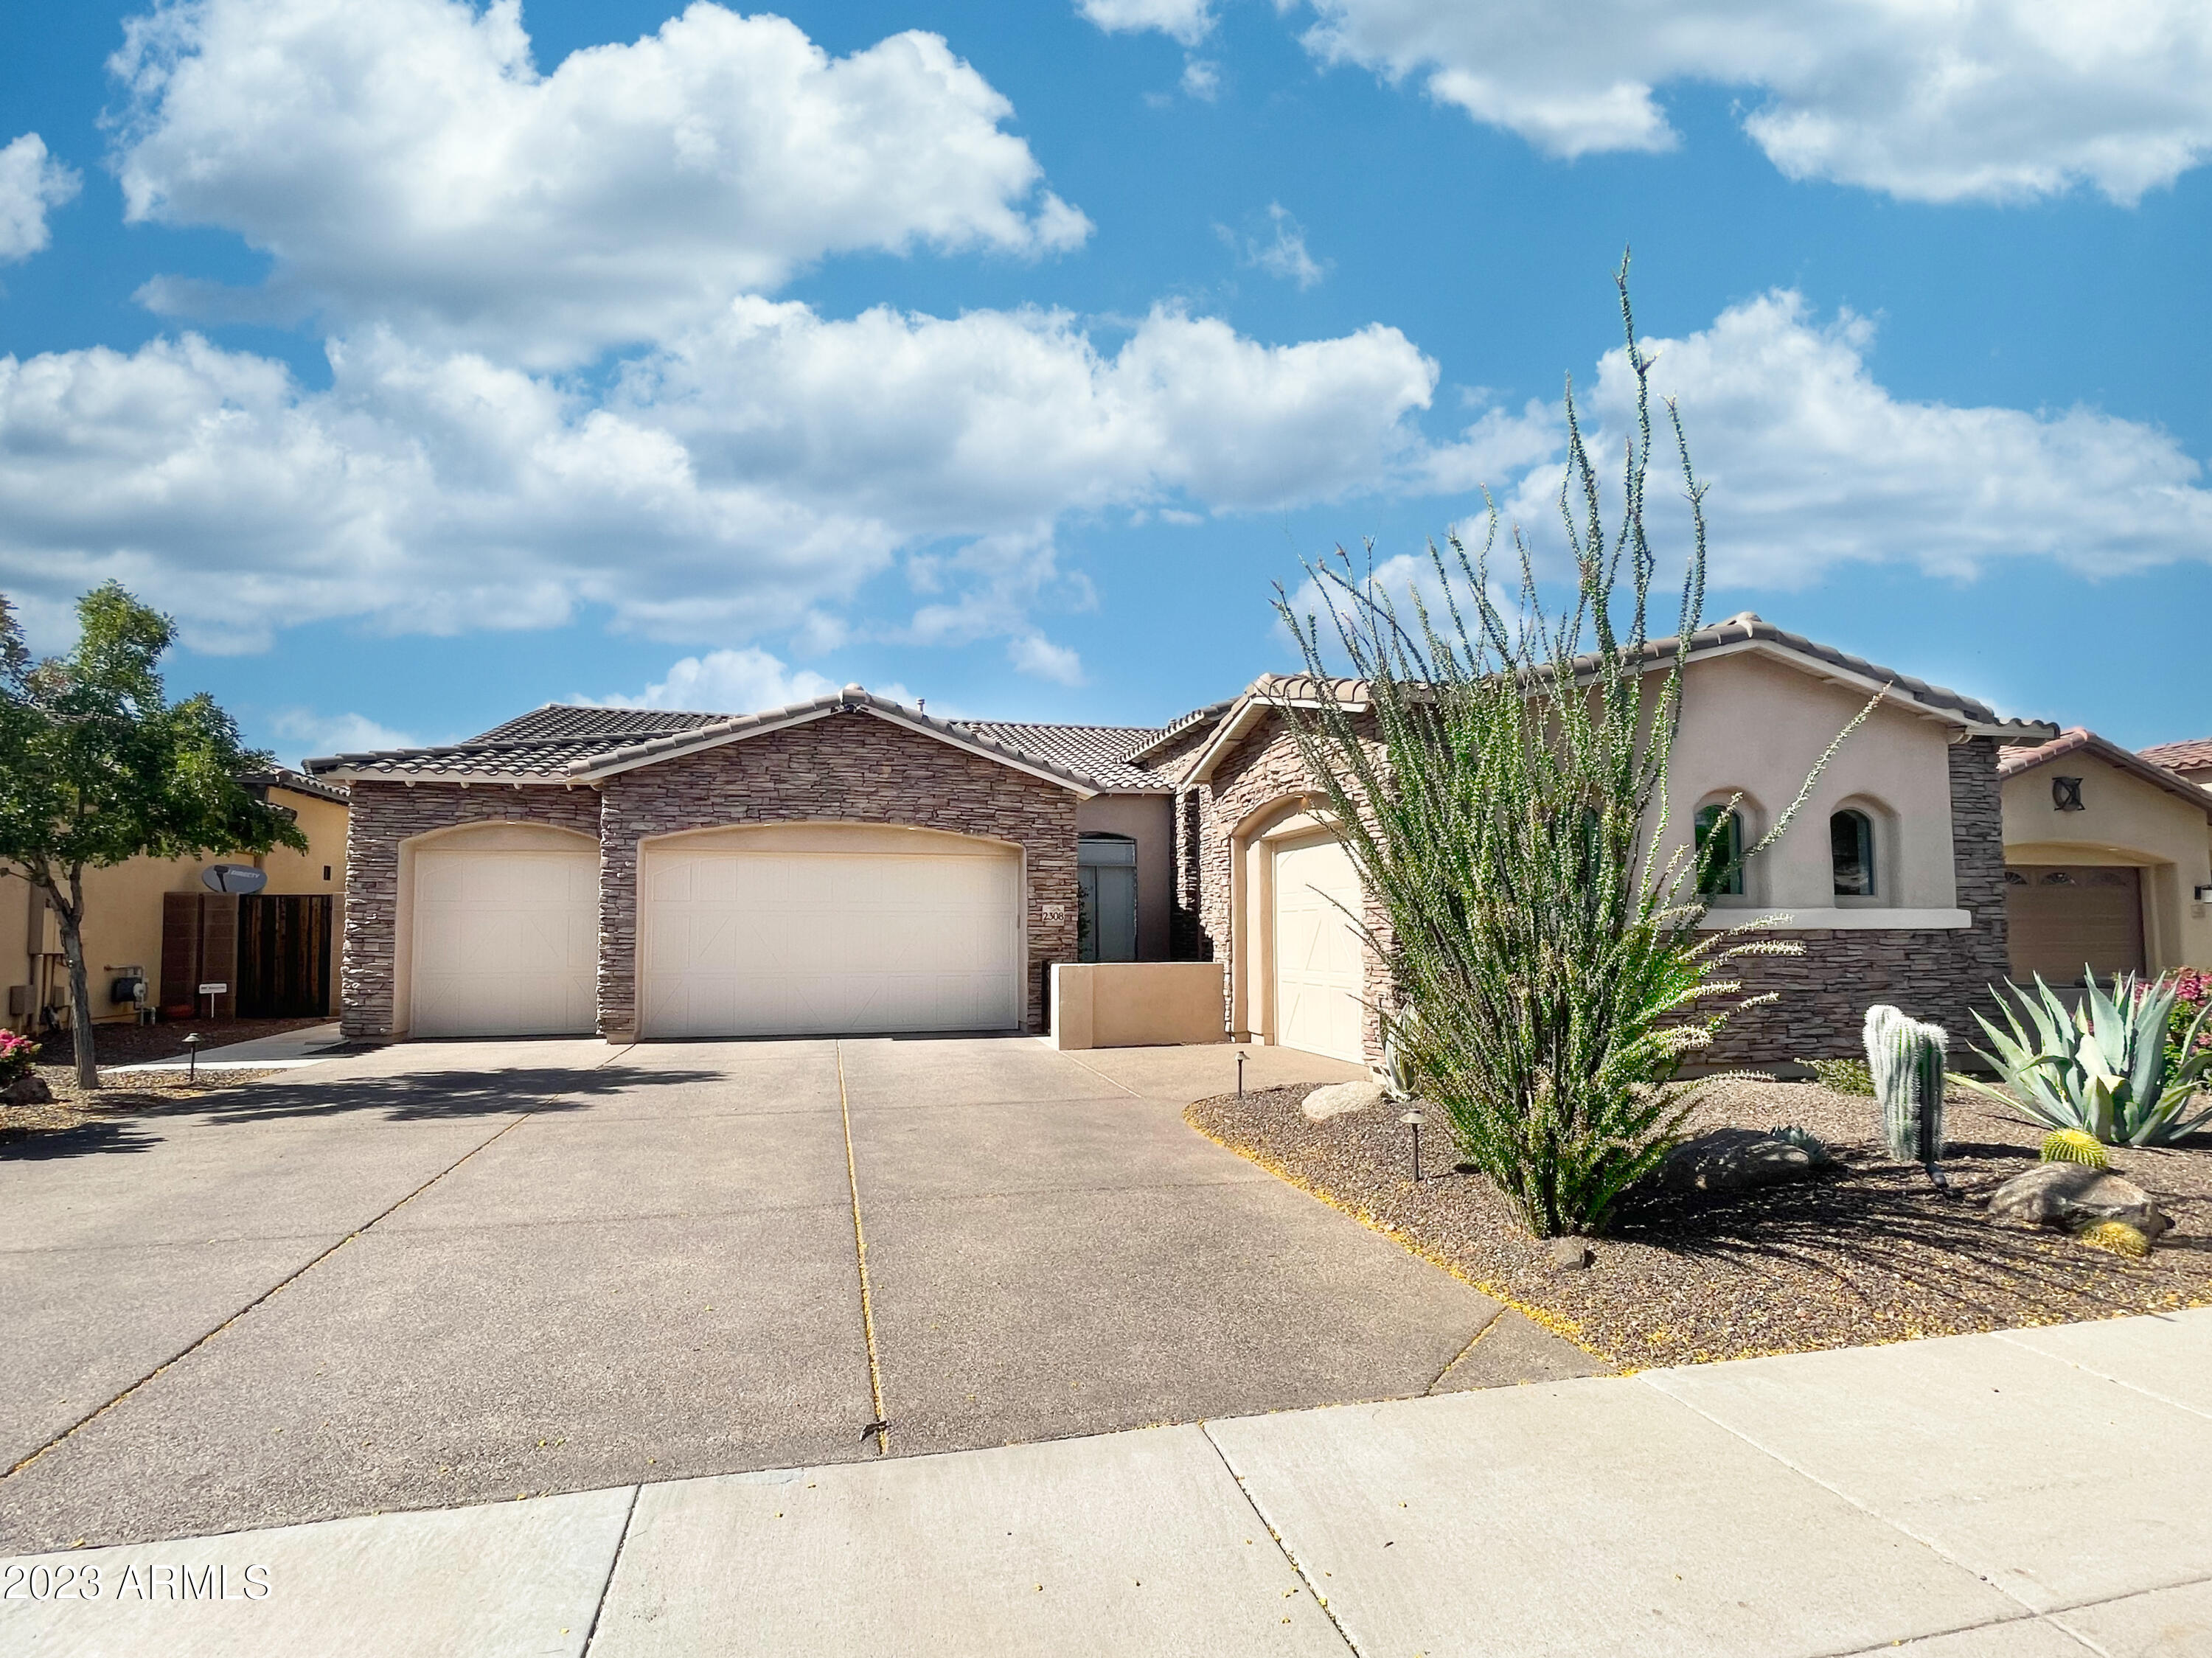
[126, 1097]
[1867, 1251]
[134, 1092]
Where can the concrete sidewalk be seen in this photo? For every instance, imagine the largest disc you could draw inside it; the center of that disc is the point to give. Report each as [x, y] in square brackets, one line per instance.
[286, 1050]
[2031, 1493]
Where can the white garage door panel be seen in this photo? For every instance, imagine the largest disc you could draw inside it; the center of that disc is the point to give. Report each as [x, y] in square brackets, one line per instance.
[1319, 957]
[505, 943]
[744, 943]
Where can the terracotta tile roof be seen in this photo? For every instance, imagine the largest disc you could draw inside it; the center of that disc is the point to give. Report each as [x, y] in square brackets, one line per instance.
[1100, 753]
[561, 719]
[1738, 631]
[2076, 740]
[283, 777]
[560, 744]
[543, 761]
[1177, 726]
[2195, 754]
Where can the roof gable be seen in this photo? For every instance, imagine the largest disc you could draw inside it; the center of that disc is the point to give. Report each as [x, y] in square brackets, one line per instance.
[2086, 743]
[1743, 633]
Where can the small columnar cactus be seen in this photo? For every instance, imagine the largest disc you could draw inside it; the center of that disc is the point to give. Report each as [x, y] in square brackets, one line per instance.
[2072, 1145]
[1906, 1059]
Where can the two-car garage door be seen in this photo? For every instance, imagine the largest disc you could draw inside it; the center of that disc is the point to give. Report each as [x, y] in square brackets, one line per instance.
[811, 930]
[789, 930]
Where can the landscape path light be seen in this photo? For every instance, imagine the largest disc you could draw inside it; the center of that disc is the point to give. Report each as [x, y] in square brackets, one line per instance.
[192, 1065]
[1413, 1120]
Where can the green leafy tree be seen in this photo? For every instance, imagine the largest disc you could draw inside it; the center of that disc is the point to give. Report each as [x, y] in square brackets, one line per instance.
[102, 767]
[1499, 777]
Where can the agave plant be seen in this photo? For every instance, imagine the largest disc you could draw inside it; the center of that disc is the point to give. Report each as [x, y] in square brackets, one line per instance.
[2102, 1068]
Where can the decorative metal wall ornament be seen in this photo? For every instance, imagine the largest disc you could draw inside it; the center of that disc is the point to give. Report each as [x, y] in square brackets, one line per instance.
[2066, 794]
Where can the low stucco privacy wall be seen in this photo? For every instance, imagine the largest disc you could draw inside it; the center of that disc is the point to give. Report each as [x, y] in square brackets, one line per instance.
[1136, 1004]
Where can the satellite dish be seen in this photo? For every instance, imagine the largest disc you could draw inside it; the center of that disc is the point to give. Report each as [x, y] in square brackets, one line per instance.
[233, 877]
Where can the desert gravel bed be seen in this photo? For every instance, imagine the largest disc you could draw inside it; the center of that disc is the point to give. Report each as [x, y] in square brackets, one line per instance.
[1865, 1252]
[135, 1095]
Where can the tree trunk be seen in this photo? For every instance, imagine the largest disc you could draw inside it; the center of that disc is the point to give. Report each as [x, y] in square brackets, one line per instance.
[71, 914]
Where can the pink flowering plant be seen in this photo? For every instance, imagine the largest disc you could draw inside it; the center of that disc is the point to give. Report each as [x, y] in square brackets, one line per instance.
[16, 1053]
[2191, 990]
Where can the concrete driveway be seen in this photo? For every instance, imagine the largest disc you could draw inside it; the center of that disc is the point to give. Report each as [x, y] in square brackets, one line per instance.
[454, 1273]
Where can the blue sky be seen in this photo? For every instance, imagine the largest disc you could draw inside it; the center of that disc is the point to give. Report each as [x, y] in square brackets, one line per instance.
[1006, 356]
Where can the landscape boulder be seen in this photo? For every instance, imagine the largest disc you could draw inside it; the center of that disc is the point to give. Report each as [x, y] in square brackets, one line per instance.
[1339, 1098]
[1568, 1255]
[2071, 1196]
[29, 1089]
[1731, 1160]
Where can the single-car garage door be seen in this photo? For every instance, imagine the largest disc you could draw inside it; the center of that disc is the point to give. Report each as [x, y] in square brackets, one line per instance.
[1320, 959]
[2063, 917]
[810, 930]
[505, 934]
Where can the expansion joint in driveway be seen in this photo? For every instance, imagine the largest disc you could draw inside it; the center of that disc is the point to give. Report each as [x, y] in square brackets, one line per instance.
[881, 1429]
[289, 1278]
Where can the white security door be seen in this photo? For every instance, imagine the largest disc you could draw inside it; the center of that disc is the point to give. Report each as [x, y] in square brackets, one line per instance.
[1319, 960]
[505, 941]
[788, 943]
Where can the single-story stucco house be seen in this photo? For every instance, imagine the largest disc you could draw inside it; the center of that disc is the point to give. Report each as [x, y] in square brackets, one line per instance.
[852, 864]
[153, 924]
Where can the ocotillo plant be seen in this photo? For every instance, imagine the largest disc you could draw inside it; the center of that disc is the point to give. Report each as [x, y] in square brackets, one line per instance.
[1906, 1058]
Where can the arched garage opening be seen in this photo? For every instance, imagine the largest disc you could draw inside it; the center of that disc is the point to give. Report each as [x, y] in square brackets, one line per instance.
[1301, 965]
[499, 932]
[820, 928]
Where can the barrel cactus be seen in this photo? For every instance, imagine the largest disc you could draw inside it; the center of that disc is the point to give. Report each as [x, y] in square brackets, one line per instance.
[1906, 1059]
[2116, 1237]
[2072, 1145]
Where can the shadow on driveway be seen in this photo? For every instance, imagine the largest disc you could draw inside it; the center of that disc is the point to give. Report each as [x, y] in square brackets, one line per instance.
[416, 1096]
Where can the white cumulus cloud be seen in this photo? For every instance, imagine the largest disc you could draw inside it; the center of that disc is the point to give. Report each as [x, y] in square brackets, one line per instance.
[1813, 465]
[312, 734]
[742, 480]
[31, 183]
[1186, 20]
[1280, 251]
[998, 420]
[407, 163]
[1985, 100]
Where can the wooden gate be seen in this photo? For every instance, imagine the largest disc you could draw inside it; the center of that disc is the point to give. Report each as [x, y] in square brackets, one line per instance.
[283, 957]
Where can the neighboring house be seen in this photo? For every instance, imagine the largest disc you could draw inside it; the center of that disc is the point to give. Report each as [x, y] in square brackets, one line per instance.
[852, 864]
[2108, 855]
[2191, 761]
[152, 919]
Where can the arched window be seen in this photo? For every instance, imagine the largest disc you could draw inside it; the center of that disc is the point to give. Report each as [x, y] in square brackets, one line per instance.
[1851, 850]
[1720, 852]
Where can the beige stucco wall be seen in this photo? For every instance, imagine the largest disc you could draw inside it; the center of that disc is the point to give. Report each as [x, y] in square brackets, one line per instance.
[1753, 725]
[122, 908]
[2127, 821]
[1149, 820]
[1136, 1004]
